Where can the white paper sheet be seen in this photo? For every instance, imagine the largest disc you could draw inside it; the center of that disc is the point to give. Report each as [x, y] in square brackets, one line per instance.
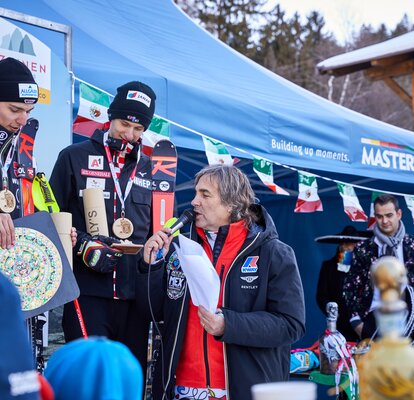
[202, 278]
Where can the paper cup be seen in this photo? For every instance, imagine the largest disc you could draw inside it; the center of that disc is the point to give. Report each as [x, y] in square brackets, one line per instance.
[95, 212]
[293, 390]
[63, 224]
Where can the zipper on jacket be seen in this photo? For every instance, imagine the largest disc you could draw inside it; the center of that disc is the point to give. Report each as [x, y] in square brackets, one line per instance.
[205, 351]
[205, 343]
[221, 273]
[226, 372]
[169, 372]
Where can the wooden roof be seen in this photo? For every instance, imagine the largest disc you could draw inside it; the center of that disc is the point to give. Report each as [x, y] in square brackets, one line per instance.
[386, 61]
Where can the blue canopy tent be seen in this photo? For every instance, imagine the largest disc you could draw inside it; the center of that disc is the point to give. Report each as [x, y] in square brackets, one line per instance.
[205, 86]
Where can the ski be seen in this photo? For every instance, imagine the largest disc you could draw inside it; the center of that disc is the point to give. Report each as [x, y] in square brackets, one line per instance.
[164, 171]
[23, 166]
[24, 172]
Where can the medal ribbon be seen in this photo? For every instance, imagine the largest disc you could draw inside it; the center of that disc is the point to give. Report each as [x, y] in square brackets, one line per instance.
[6, 166]
[122, 198]
[115, 178]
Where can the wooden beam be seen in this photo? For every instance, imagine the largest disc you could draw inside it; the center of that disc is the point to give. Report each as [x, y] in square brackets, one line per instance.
[385, 62]
[403, 68]
[340, 71]
[404, 96]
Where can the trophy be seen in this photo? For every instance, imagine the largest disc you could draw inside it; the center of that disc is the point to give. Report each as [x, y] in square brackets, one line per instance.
[387, 370]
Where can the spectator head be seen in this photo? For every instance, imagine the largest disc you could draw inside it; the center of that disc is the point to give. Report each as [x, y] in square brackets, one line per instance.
[387, 214]
[18, 94]
[95, 368]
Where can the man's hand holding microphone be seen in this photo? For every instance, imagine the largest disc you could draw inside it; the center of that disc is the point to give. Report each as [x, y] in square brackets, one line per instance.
[158, 244]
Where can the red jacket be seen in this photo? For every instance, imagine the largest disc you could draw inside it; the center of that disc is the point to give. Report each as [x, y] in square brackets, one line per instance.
[201, 363]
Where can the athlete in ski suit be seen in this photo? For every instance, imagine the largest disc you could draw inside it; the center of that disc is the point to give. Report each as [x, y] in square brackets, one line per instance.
[107, 278]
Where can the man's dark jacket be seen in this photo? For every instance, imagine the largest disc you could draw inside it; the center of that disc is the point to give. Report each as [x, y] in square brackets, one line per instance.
[81, 163]
[329, 289]
[263, 308]
[358, 291]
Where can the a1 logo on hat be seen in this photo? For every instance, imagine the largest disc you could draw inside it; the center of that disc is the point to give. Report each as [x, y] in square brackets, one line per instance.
[139, 96]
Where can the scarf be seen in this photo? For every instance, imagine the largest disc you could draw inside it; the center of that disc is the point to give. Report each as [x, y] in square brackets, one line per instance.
[389, 244]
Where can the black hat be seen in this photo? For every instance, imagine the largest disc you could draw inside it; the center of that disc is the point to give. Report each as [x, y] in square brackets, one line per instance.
[348, 235]
[17, 83]
[135, 102]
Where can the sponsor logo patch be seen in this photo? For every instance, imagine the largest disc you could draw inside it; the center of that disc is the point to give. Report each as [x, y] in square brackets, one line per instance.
[98, 174]
[144, 183]
[106, 195]
[95, 162]
[250, 265]
[139, 96]
[249, 279]
[176, 282]
[3, 136]
[133, 118]
[28, 90]
[164, 186]
[96, 183]
[249, 287]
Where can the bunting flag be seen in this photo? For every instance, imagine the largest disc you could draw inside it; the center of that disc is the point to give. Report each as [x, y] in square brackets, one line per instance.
[308, 199]
[159, 129]
[264, 170]
[352, 207]
[371, 220]
[409, 200]
[92, 112]
[216, 152]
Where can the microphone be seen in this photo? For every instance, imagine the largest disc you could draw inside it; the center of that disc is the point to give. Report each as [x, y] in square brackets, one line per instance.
[185, 218]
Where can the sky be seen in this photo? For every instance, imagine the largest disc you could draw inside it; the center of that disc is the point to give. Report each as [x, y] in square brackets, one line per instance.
[344, 16]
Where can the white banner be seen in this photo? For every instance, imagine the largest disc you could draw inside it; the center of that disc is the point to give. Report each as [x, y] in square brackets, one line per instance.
[17, 43]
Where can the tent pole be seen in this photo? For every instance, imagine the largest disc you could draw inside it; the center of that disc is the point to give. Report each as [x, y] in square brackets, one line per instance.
[46, 24]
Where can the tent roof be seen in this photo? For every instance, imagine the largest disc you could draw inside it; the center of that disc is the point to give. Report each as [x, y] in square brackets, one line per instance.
[204, 85]
[362, 58]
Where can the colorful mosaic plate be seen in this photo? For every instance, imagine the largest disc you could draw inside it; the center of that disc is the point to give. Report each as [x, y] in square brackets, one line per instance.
[35, 267]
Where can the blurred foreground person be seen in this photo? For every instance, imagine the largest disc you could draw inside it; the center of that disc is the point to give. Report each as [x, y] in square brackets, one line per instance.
[94, 369]
[18, 378]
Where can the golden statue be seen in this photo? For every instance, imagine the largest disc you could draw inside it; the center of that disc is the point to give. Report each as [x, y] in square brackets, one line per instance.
[387, 370]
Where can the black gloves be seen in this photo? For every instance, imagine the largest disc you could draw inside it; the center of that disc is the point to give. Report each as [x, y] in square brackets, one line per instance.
[96, 252]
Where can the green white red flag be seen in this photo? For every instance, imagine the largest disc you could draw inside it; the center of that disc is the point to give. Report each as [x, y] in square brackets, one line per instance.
[308, 199]
[159, 129]
[216, 152]
[352, 207]
[371, 220]
[264, 170]
[92, 112]
[409, 200]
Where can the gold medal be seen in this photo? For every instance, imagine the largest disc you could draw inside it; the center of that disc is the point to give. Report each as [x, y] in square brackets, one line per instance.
[123, 228]
[7, 201]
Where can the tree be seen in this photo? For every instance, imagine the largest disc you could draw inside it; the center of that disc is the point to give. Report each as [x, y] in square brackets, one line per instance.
[231, 21]
[292, 46]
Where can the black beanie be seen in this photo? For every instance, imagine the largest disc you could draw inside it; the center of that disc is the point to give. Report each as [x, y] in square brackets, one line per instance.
[17, 83]
[135, 102]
